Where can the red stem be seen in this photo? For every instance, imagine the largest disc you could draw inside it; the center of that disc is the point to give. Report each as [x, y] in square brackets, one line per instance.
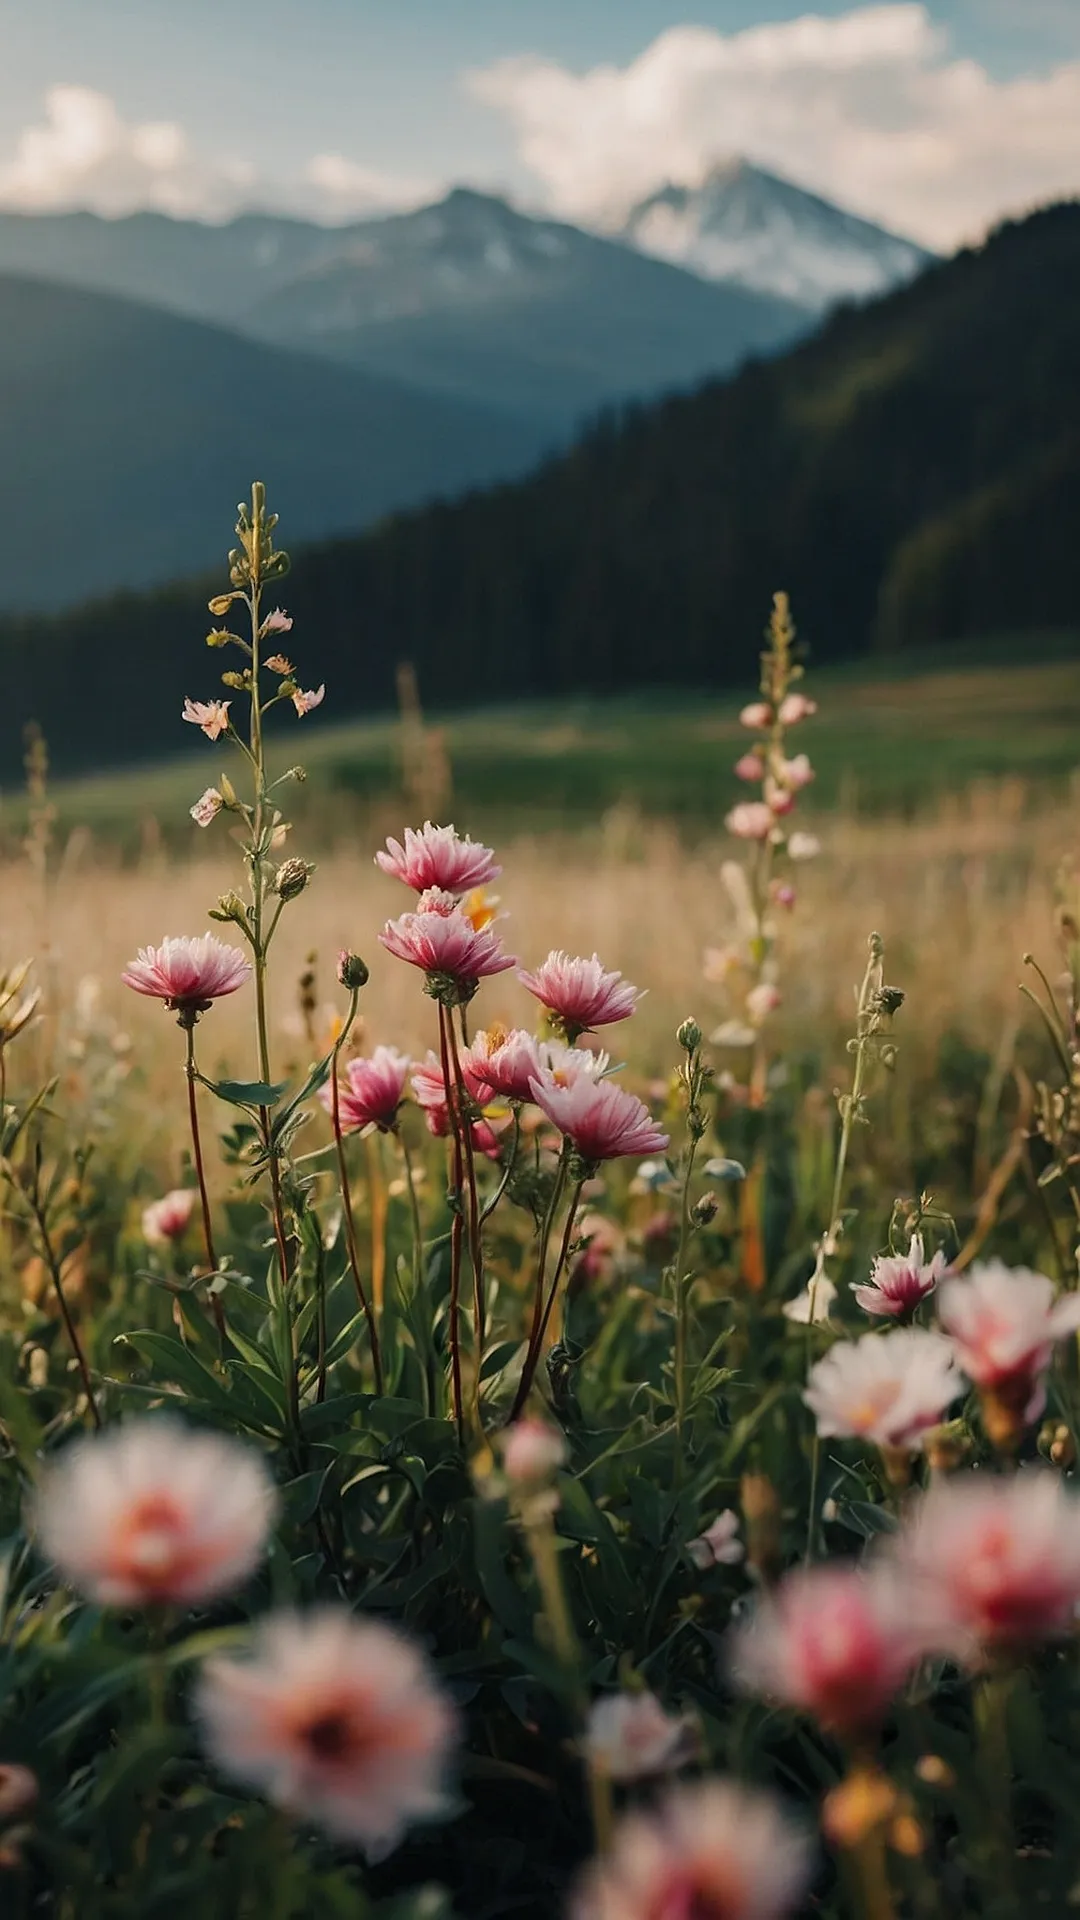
[350, 1231]
[456, 1232]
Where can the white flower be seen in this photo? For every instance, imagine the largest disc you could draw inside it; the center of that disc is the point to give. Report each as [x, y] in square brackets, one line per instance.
[207, 807]
[817, 1296]
[888, 1388]
[803, 846]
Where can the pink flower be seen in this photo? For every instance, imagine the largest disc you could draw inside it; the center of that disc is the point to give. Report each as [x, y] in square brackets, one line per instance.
[167, 1219]
[503, 1063]
[211, 715]
[762, 1000]
[783, 893]
[795, 707]
[439, 939]
[207, 807]
[438, 857]
[532, 1453]
[719, 1545]
[19, 1790]
[898, 1282]
[887, 1388]
[750, 820]
[796, 773]
[835, 1642]
[999, 1558]
[713, 1851]
[276, 622]
[579, 993]
[750, 767]
[306, 702]
[429, 1092]
[279, 663]
[1004, 1324]
[374, 1091]
[154, 1512]
[628, 1736]
[337, 1720]
[757, 715]
[189, 974]
[600, 1118]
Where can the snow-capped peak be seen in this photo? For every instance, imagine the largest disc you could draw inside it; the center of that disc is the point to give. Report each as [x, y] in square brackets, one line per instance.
[745, 225]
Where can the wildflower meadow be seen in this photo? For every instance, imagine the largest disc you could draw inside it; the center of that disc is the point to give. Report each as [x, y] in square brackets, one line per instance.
[473, 1445]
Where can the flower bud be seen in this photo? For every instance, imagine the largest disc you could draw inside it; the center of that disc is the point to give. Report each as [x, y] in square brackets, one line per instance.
[235, 680]
[291, 878]
[532, 1453]
[220, 637]
[689, 1036]
[221, 602]
[230, 907]
[351, 970]
[704, 1210]
[299, 774]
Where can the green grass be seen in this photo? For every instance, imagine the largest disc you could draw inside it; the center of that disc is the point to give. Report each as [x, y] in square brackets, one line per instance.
[883, 740]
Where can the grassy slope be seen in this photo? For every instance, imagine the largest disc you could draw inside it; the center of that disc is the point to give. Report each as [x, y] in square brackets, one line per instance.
[881, 741]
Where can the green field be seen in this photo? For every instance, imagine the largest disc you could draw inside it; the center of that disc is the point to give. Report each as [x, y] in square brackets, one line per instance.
[882, 741]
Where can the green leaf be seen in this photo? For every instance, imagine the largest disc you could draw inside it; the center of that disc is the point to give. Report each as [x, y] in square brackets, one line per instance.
[246, 1093]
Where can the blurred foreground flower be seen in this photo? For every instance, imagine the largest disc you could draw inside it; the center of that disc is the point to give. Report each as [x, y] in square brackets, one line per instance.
[1004, 1324]
[715, 1851]
[336, 1720]
[155, 1513]
[888, 1388]
[835, 1642]
[998, 1558]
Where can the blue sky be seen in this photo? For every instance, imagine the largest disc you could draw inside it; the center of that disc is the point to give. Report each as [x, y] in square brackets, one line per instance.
[329, 106]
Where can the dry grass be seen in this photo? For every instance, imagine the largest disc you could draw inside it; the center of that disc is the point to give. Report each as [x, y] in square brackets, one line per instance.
[958, 898]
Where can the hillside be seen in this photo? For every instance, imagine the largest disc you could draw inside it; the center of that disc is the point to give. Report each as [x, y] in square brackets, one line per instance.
[127, 428]
[911, 475]
[468, 297]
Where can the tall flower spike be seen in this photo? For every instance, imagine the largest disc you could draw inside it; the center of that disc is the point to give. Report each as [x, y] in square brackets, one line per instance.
[188, 974]
[336, 1720]
[438, 857]
[155, 1513]
[714, 1850]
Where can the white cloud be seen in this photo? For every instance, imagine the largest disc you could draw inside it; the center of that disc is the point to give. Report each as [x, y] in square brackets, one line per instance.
[84, 154]
[868, 107]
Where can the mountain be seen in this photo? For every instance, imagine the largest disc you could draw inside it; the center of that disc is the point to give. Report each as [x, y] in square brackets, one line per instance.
[122, 428]
[468, 297]
[911, 475]
[746, 227]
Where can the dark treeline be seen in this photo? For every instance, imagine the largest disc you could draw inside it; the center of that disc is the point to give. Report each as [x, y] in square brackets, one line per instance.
[910, 475]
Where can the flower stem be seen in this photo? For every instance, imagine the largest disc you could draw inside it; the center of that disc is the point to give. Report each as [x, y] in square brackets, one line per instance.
[346, 1201]
[542, 1307]
[52, 1263]
[457, 1227]
[200, 1174]
[476, 1246]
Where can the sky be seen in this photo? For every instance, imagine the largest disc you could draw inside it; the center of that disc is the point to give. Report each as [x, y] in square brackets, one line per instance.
[935, 119]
